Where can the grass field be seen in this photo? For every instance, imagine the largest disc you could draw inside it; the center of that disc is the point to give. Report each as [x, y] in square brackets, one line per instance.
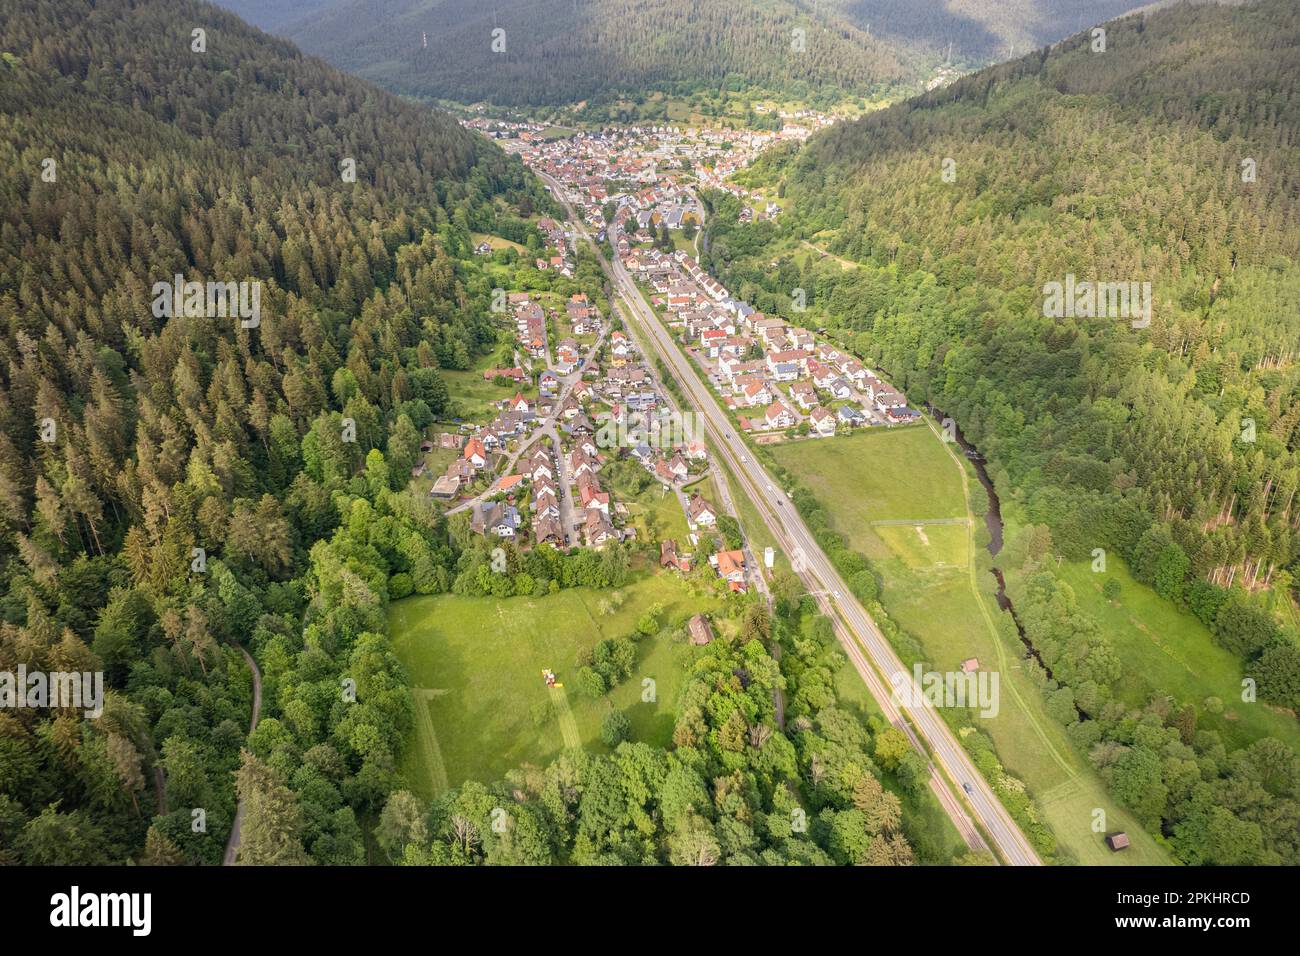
[436, 463]
[497, 242]
[1168, 651]
[878, 487]
[879, 475]
[475, 398]
[475, 667]
[653, 507]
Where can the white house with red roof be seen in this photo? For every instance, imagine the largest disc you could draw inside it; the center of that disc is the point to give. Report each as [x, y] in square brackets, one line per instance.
[778, 416]
[475, 453]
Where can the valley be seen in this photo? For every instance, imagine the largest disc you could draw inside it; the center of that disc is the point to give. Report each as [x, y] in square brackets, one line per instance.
[594, 433]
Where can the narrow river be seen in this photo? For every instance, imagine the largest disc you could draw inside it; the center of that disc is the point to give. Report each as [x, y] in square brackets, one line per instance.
[993, 521]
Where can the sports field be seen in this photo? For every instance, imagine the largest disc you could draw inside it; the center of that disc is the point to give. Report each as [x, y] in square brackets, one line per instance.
[475, 667]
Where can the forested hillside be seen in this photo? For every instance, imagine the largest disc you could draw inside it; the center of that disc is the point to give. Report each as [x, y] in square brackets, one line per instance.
[1127, 166]
[274, 15]
[1171, 159]
[129, 440]
[561, 51]
[980, 31]
[564, 51]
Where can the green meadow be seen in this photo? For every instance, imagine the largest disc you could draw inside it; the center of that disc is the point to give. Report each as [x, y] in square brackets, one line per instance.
[1167, 651]
[475, 668]
[899, 497]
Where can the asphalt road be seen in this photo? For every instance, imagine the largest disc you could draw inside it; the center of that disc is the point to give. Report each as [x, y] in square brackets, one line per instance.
[871, 653]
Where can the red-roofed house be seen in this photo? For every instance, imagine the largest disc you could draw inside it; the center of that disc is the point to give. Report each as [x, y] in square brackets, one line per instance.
[778, 416]
[730, 566]
[475, 453]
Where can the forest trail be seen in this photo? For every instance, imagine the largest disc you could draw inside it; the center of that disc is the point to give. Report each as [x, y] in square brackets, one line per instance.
[232, 844]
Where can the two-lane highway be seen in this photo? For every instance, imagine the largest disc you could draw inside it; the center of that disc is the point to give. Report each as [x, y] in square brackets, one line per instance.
[866, 646]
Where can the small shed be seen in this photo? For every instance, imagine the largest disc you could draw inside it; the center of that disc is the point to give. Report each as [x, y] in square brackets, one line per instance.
[700, 631]
[1117, 841]
[970, 665]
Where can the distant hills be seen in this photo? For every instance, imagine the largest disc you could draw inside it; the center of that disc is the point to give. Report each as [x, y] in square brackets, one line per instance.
[980, 31]
[565, 51]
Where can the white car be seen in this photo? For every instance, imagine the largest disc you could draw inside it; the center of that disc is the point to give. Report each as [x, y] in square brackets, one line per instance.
[768, 487]
[744, 460]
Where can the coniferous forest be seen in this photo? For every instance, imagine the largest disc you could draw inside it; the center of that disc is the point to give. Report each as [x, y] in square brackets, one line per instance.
[557, 51]
[171, 435]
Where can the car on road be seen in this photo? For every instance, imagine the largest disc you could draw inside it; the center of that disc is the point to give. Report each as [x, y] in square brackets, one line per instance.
[744, 459]
[768, 487]
[837, 594]
[968, 788]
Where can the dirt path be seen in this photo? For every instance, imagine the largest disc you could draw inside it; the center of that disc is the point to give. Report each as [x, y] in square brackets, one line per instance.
[844, 263]
[429, 738]
[1004, 664]
[232, 844]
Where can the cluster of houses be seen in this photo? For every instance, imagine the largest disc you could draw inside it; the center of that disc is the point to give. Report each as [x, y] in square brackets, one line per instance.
[531, 333]
[557, 256]
[583, 316]
[566, 502]
[729, 565]
[541, 481]
[530, 324]
[650, 172]
[774, 375]
[554, 493]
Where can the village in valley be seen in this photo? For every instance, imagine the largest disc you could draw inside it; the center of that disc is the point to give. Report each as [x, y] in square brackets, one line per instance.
[653, 172]
[779, 380]
[585, 398]
[638, 187]
[532, 475]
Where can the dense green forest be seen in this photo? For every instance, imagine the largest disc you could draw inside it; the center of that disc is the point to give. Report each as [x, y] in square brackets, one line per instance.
[130, 440]
[980, 31]
[562, 51]
[274, 15]
[1169, 158]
